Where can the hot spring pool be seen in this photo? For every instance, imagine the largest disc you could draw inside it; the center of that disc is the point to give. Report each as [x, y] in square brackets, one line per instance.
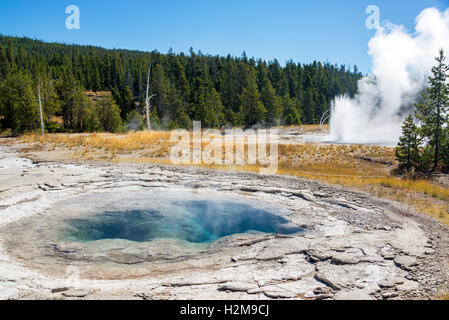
[198, 220]
[146, 233]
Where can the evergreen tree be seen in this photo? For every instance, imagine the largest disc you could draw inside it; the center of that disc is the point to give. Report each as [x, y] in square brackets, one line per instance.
[445, 148]
[176, 111]
[182, 120]
[407, 152]
[249, 92]
[160, 86]
[134, 121]
[4, 65]
[124, 99]
[272, 103]
[292, 114]
[18, 104]
[109, 115]
[155, 121]
[51, 103]
[84, 117]
[180, 79]
[433, 111]
[213, 115]
[275, 74]
[252, 108]
[310, 103]
[10, 52]
[96, 82]
[71, 94]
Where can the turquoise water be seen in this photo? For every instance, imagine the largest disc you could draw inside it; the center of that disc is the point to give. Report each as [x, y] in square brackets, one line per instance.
[196, 221]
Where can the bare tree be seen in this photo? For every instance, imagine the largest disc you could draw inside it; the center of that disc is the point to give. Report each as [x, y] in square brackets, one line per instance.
[40, 107]
[148, 100]
[325, 117]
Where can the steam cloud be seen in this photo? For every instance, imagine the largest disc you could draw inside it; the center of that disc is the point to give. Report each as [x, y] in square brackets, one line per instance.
[401, 65]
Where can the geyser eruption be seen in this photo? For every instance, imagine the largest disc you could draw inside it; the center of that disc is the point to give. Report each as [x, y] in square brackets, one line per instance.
[401, 65]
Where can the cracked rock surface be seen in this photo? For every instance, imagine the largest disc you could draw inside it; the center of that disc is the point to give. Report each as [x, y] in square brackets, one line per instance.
[354, 247]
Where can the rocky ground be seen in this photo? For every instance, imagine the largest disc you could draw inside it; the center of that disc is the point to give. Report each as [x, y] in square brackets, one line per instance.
[355, 246]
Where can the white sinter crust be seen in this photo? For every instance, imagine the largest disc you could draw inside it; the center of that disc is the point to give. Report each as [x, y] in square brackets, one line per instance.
[355, 246]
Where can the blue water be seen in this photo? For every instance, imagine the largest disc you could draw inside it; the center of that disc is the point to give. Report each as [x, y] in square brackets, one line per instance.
[196, 221]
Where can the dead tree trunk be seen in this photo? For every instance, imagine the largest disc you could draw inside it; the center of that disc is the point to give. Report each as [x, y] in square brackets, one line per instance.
[148, 100]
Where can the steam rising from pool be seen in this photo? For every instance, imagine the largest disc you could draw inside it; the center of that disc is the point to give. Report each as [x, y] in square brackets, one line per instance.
[401, 65]
[197, 220]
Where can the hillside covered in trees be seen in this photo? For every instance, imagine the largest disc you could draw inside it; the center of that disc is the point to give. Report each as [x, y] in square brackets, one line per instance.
[236, 91]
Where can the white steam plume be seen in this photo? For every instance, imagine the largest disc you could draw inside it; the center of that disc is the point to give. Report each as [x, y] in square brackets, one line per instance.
[401, 65]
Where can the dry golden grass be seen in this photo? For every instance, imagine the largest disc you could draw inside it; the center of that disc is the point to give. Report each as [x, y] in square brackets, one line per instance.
[341, 165]
[307, 128]
[131, 141]
[334, 164]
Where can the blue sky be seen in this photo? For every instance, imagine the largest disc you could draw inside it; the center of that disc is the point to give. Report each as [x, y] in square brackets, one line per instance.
[325, 30]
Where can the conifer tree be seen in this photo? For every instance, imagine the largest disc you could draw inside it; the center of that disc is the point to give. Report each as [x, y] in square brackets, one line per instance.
[77, 69]
[292, 114]
[433, 111]
[407, 152]
[4, 65]
[272, 103]
[71, 94]
[445, 148]
[109, 115]
[160, 86]
[253, 109]
[124, 99]
[18, 104]
[50, 100]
